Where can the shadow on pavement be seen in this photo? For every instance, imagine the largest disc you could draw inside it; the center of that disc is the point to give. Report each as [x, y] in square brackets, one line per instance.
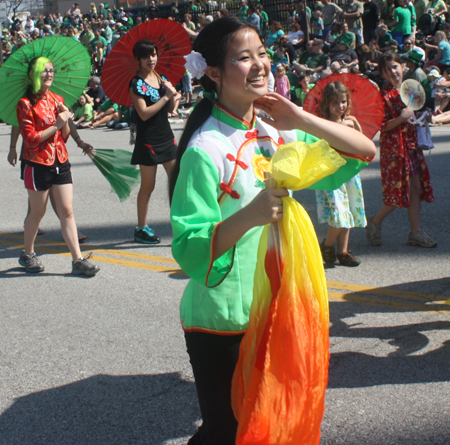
[405, 364]
[19, 272]
[104, 410]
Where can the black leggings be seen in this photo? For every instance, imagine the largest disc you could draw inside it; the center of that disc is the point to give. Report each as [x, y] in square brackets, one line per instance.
[213, 359]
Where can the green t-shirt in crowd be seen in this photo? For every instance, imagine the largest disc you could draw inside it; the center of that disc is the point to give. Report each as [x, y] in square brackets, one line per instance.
[292, 80]
[427, 87]
[303, 94]
[86, 109]
[109, 104]
[304, 57]
[87, 38]
[344, 37]
[383, 40]
[317, 60]
[94, 41]
[403, 17]
[412, 10]
[264, 21]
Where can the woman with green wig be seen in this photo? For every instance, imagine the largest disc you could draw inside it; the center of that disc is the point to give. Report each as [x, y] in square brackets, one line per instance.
[44, 125]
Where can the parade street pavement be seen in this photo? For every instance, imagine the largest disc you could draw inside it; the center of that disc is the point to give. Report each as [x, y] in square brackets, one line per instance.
[102, 361]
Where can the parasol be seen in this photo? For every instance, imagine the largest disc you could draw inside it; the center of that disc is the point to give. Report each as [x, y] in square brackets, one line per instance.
[172, 41]
[116, 168]
[279, 383]
[412, 94]
[367, 103]
[71, 62]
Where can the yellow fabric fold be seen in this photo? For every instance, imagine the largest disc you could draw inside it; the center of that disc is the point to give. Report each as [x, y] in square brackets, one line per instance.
[299, 165]
[281, 376]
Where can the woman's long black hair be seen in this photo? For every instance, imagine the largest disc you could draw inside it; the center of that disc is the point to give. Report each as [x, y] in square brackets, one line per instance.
[212, 43]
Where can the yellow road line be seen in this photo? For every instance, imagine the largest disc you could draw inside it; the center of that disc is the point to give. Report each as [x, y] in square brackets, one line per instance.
[354, 294]
[98, 249]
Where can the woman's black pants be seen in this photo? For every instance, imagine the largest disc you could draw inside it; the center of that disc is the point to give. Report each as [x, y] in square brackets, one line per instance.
[213, 359]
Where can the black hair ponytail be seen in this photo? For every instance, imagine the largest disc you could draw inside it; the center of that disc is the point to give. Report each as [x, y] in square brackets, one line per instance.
[212, 44]
[197, 118]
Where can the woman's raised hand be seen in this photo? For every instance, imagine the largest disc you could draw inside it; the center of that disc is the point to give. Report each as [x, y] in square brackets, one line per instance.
[63, 118]
[356, 124]
[406, 113]
[62, 108]
[170, 89]
[284, 113]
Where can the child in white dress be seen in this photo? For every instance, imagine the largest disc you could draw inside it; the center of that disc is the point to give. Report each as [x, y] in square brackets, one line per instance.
[343, 208]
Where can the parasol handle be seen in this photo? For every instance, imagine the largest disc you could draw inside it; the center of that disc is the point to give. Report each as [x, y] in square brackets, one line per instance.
[59, 103]
[55, 99]
[158, 76]
[275, 231]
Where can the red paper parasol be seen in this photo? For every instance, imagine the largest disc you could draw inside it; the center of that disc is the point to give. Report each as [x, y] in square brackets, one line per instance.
[120, 67]
[367, 103]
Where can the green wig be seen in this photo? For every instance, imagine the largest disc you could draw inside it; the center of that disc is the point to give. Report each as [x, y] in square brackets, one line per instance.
[35, 70]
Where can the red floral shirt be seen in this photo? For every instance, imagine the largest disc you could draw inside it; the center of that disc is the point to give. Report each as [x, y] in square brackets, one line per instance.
[396, 147]
[33, 120]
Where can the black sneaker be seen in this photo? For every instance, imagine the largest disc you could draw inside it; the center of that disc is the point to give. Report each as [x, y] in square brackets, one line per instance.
[146, 235]
[84, 267]
[347, 259]
[328, 254]
[31, 262]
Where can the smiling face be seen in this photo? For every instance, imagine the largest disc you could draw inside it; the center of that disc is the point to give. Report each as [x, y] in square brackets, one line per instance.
[338, 106]
[47, 77]
[393, 73]
[245, 75]
[82, 100]
[149, 62]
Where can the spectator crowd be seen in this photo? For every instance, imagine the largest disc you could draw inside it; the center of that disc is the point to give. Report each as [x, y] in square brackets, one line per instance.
[305, 43]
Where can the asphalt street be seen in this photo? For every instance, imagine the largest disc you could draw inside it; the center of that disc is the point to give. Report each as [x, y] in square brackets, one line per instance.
[102, 361]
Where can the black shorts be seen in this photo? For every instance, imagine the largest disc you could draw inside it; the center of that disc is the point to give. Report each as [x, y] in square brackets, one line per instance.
[41, 177]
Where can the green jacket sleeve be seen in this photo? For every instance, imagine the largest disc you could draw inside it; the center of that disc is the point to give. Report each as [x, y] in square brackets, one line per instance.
[196, 217]
[354, 164]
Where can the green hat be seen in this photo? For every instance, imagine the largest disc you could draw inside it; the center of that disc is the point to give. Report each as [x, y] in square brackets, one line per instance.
[346, 40]
[123, 28]
[415, 57]
[393, 42]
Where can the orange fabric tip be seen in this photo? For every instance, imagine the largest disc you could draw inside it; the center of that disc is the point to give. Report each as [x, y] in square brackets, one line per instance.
[280, 380]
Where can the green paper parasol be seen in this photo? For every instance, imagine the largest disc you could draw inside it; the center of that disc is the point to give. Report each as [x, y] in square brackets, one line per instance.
[71, 62]
[116, 168]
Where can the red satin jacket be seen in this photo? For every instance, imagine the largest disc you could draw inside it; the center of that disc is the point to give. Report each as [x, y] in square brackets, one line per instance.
[32, 122]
